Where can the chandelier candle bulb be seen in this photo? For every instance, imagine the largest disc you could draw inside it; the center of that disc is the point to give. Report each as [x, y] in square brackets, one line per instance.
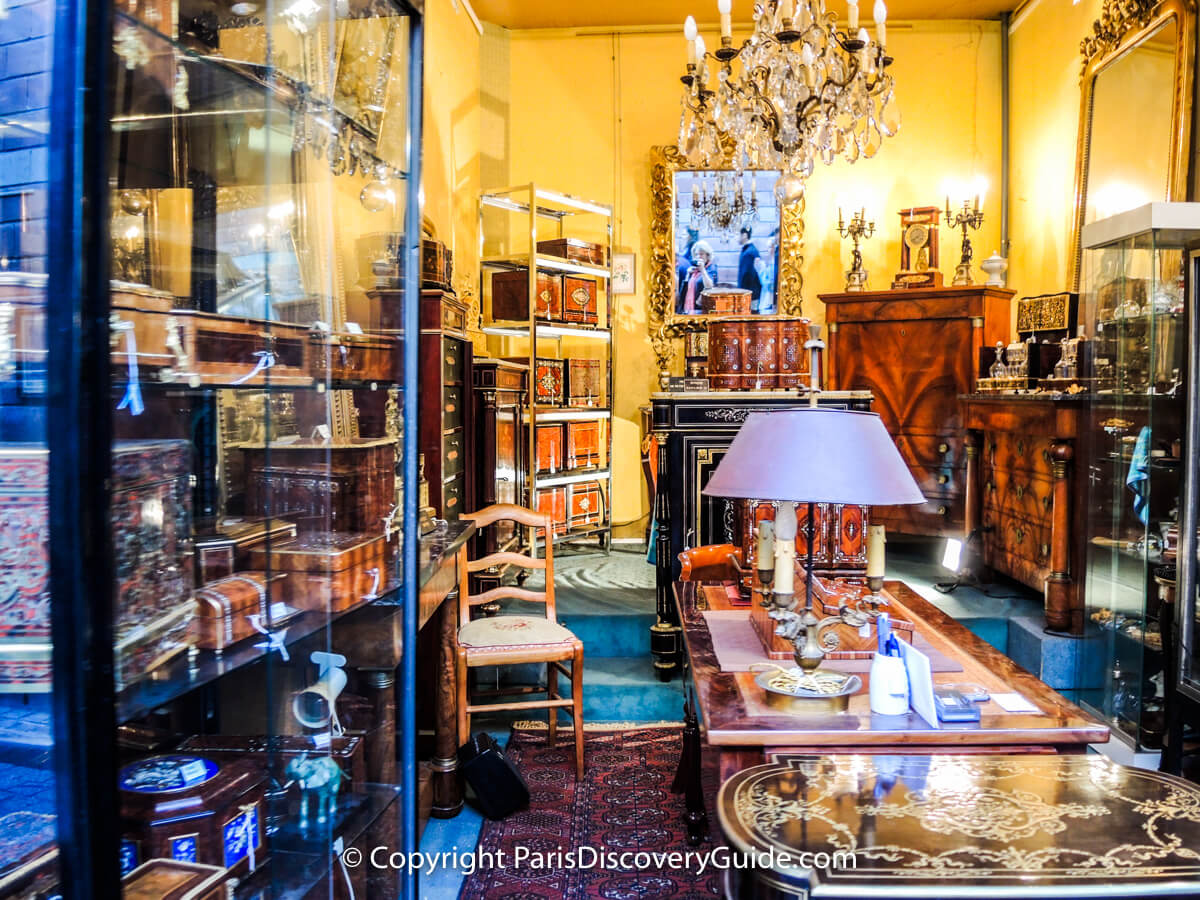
[690, 33]
[725, 7]
[880, 19]
[786, 10]
[852, 10]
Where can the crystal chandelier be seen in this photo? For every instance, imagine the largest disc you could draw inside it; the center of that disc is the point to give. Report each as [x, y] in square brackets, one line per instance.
[722, 201]
[803, 91]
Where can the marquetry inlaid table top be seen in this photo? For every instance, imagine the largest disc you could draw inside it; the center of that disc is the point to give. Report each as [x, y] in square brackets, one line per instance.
[1064, 826]
[733, 712]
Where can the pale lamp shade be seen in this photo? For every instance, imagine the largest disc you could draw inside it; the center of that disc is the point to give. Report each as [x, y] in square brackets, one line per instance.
[815, 455]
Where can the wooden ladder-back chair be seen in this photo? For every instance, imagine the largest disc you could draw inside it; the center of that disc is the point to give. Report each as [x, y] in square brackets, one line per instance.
[507, 640]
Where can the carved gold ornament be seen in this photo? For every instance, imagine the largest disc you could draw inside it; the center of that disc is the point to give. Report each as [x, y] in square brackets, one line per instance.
[664, 326]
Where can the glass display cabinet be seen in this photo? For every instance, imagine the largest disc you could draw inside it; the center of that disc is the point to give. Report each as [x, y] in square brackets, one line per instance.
[1137, 304]
[209, 539]
[1187, 671]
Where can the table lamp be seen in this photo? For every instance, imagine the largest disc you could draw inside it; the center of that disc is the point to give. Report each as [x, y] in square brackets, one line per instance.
[810, 455]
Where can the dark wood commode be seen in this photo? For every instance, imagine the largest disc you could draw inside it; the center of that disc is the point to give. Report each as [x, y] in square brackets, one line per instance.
[1023, 495]
[445, 362]
[917, 351]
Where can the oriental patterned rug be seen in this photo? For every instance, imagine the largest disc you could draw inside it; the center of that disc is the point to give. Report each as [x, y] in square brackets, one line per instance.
[611, 836]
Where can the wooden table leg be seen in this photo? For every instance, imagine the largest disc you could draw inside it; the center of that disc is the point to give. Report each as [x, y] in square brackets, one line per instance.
[688, 779]
[378, 685]
[665, 634]
[447, 789]
[1061, 594]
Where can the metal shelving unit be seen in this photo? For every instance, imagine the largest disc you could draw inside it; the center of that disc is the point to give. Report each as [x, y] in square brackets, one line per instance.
[536, 206]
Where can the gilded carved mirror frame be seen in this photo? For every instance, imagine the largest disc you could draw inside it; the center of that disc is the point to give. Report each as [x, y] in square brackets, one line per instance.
[662, 322]
[1122, 26]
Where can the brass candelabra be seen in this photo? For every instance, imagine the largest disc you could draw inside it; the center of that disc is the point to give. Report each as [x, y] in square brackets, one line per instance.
[858, 229]
[966, 218]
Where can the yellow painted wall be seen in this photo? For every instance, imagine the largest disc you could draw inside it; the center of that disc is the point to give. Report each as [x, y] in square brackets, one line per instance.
[450, 177]
[584, 112]
[1045, 66]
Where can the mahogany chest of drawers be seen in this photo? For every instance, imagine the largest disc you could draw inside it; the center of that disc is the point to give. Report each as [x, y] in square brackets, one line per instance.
[1024, 495]
[916, 350]
[444, 413]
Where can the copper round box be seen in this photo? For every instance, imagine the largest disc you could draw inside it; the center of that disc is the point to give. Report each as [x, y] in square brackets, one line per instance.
[757, 352]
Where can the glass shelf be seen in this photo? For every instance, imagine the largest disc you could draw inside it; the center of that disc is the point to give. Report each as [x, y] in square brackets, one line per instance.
[553, 332]
[516, 262]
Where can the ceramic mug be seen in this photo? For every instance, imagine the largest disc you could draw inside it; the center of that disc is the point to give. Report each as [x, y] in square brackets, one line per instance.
[889, 686]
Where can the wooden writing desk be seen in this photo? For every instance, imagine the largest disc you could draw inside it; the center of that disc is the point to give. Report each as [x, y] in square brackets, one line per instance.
[727, 711]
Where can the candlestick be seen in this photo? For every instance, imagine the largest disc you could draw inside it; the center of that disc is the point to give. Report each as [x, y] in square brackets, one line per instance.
[690, 32]
[880, 12]
[876, 541]
[725, 7]
[852, 11]
[766, 544]
[785, 548]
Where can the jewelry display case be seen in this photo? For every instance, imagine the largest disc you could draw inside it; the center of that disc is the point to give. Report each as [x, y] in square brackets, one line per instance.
[1136, 303]
[205, 447]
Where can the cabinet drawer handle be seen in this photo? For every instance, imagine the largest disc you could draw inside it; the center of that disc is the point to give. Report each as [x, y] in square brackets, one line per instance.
[942, 479]
[942, 510]
[943, 448]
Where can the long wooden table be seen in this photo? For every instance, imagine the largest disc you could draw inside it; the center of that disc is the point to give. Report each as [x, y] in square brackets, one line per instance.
[726, 710]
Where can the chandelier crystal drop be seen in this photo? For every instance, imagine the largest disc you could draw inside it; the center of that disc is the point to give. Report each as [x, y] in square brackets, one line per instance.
[802, 91]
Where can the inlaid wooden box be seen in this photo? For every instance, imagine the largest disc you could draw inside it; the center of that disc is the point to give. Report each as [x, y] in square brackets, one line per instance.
[583, 444]
[551, 450]
[344, 356]
[192, 809]
[586, 504]
[235, 350]
[222, 545]
[722, 301]
[224, 608]
[579, 300]
[144, 318]
[510, 296]
[757, 352]
[549, 381]
[348, 486]
[329, 571]
[575, 250]
[552, 502]
[151, 514]
[172, 879]
[437, 265]
[585, 382]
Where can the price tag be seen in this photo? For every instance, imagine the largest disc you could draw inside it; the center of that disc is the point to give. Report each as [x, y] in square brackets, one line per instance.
[321, 741]
[192, 772]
